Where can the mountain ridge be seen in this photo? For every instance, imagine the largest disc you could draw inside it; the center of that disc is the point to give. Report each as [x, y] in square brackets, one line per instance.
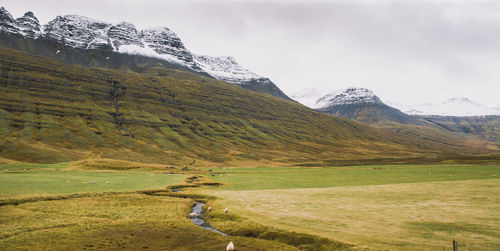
[161, 43]
[457, 107]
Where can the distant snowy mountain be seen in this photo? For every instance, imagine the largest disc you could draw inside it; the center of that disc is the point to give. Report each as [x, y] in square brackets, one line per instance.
[355, 103]
[452, 107]
[314, 99]
[161, 43]
[348, 96]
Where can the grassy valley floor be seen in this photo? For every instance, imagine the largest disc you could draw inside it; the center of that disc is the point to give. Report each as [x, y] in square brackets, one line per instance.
[405, 207]
[375, 207]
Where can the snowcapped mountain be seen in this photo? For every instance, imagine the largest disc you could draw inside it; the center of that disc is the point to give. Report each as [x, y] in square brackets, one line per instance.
[353, 95]
[347, 97]
[355, 103]
[86, 33]
[225, 68]
[160, 43]
[453, 107]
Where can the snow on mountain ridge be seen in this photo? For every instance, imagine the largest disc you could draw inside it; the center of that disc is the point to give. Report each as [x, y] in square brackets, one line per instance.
[76, 31]
[347, 96]
[7, 22]
[164, 41]
[29, 25]
[225, 68]
[458, 106]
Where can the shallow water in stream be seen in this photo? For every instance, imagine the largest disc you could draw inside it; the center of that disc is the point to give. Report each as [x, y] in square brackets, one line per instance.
[197, 220]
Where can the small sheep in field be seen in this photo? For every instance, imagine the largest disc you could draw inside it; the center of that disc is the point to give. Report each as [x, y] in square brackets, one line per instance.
[230, 246]
[192, 215]
[107, 182]
[209, 209]
[226, 210]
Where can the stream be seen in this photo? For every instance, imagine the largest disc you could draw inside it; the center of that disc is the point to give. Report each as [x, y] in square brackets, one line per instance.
[197, 220]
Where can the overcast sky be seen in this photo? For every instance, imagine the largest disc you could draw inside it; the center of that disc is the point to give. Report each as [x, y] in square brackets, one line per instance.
[406, 51]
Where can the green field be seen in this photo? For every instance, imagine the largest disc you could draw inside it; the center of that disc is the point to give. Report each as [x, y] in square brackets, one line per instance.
[55, 179]
[306, 177]
[393, 207]
[382, 207]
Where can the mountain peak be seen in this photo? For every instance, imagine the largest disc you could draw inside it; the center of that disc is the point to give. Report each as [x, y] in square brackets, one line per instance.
[352, 95]
[225, 68]
[30, 14]
[7, 22]
[29, 25]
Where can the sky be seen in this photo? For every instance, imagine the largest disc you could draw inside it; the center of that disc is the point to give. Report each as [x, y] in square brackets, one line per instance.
[406, 51]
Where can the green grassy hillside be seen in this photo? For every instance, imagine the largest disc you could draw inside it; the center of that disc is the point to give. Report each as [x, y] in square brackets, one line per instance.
[53, 112]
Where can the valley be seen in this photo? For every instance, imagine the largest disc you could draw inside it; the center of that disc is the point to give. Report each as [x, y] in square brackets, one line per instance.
[114, 137]
[288, 208]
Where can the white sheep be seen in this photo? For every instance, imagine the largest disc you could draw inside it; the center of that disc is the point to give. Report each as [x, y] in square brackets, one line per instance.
[226, 210]
[209, 209]
[192, 215]
[107, 182]
[230, 246]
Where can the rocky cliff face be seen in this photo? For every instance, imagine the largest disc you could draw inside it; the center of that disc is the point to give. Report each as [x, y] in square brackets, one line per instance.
[7, 22]
[84, 33]
[29, 25]
[164, 41]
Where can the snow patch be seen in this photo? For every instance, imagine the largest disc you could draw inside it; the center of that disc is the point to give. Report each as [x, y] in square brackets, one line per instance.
[133, 49]
[225, 68]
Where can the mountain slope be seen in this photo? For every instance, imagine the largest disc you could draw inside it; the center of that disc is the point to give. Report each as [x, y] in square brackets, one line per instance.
[53, 112]
[89, 42]
[227, 69]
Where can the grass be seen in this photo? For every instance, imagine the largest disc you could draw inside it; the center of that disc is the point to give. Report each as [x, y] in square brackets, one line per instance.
[300, 177]
[405, 207]
[375, 207]
[56, 179]
[111, 222]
